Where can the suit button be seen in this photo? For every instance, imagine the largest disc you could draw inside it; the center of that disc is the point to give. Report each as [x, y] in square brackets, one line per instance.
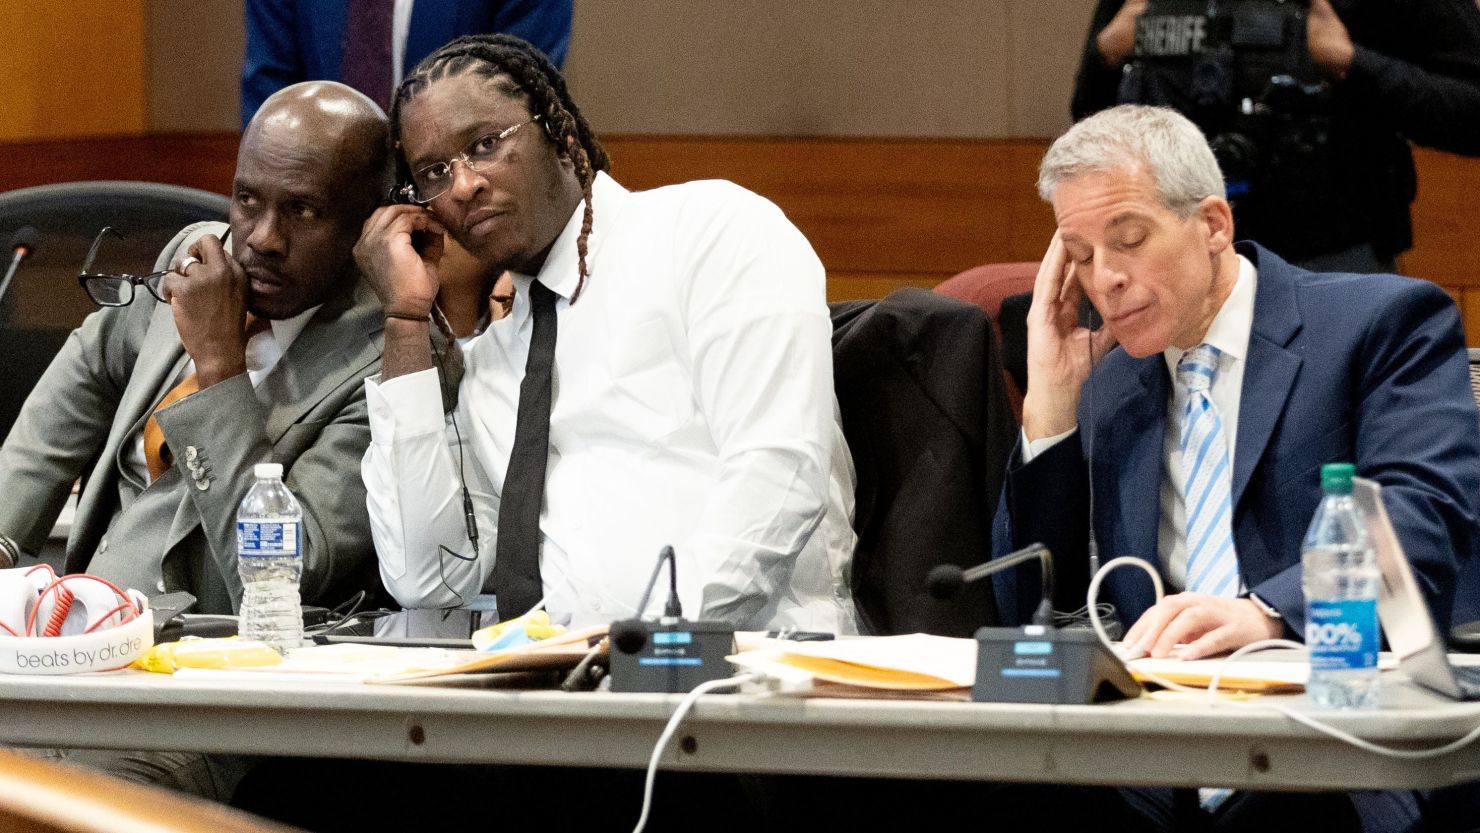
[102, 546]
[160, 585]
[190, 454]
[203, 484]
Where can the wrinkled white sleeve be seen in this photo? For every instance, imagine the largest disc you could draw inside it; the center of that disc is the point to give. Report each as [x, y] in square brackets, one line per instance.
[760, 340]
[415, 497]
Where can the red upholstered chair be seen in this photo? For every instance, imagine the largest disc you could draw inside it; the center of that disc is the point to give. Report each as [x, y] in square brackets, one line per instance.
[987, 286]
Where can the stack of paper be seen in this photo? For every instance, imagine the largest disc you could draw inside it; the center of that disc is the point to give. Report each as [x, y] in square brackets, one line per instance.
[913, 663]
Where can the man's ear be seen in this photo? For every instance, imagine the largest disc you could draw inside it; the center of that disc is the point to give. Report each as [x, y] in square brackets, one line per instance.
[1216, 216]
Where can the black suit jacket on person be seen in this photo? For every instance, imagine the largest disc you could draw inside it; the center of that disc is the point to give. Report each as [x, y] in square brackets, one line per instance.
[919, 383]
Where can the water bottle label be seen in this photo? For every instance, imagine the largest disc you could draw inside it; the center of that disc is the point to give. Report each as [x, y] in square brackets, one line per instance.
[1341, 634]
[266, 539]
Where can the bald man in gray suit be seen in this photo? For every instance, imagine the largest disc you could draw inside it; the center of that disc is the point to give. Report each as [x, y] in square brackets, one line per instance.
[248, 351]
[270, 334]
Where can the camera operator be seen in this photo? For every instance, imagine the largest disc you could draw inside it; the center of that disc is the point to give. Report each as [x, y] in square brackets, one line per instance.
[1398, 71]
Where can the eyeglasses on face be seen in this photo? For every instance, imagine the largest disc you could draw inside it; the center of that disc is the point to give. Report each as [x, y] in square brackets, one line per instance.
[108, 290]
[432, 181]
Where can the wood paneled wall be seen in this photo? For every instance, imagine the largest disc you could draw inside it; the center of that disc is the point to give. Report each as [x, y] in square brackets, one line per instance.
[74, 68]
[881, 213]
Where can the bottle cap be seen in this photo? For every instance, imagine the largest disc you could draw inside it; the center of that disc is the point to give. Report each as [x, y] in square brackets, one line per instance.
[268, 470]
[1336, 478]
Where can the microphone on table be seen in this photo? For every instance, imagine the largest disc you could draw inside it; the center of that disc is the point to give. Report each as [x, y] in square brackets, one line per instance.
[946, 580]
[1036, 663]
[22, 245]
[668, 653]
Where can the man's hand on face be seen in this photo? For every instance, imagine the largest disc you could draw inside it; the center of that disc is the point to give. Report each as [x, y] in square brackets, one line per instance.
[1204, 625]
[209, 301]
[398, 252]
[1330, 45]
[1118, 38]
[1061, 353]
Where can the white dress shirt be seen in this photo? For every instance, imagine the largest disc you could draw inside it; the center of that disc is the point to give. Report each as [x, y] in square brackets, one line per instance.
[693, 405]
[264, 350]
[1229, 332]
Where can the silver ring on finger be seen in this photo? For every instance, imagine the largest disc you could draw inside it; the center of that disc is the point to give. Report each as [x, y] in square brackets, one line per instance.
[189, 261]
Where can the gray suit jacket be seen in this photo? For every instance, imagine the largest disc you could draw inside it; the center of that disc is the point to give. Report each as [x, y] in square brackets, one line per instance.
[179, 532]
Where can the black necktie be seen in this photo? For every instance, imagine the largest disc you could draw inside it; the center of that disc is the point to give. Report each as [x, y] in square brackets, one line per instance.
[366, 60]
[516, 572]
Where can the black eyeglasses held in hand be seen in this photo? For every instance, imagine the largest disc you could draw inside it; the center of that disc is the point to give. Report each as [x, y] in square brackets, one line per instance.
[108, 290]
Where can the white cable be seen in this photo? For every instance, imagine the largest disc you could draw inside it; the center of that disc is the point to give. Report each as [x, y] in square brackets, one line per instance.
[1212, 688]
[1092, 597]
[678, 714]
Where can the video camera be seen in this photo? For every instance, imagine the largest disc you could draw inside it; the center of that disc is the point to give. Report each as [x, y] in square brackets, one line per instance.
[1241, 71]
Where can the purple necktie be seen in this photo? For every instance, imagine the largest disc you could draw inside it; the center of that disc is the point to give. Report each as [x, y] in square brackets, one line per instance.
[366, 64]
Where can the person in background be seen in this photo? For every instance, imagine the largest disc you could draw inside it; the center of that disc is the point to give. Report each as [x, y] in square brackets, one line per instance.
[368, 44]
[1398, 72]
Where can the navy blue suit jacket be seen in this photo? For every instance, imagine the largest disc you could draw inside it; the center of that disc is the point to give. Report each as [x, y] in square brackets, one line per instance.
[1369, 369]
[302, 40]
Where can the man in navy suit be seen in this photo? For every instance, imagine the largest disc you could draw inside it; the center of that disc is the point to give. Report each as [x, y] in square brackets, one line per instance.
[304, 40]
[1236, 376]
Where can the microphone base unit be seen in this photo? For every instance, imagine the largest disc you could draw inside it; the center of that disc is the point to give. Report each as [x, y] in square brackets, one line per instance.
[675, 657]
[1042, 664]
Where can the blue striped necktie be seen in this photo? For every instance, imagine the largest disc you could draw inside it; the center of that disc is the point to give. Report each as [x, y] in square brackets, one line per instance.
[1212, 565]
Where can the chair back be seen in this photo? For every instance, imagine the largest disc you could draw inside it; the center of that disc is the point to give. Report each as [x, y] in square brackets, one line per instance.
[44, 303]
[988, 286]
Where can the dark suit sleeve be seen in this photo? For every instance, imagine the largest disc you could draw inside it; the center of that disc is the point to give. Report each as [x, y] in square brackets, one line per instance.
[1424, 77]
[65, 421]
[1046, 501]
[1415, 433]
[226, 424]
[544, 23]
[1097, 86]
[272, 55]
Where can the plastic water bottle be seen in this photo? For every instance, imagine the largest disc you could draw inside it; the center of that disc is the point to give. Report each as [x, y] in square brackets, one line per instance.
[1340, 579]
[269, 546]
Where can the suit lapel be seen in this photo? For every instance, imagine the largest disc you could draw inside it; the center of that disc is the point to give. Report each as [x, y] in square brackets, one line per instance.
[338, 343]
[1271, 368]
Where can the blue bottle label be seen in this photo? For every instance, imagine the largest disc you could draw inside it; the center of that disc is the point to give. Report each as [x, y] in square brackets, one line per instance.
[267, 539]
[1341, 634]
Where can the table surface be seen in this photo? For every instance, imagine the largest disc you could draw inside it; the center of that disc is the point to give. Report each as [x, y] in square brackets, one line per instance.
[1187, 742]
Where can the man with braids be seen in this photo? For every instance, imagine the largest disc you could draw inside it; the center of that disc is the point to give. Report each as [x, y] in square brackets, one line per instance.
[665, 376]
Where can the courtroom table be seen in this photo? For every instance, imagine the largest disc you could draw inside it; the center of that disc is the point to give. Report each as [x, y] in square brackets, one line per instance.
[1146, 741]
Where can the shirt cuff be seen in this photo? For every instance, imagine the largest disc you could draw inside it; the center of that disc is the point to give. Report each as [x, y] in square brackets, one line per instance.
[406, 406]
[1033, 448]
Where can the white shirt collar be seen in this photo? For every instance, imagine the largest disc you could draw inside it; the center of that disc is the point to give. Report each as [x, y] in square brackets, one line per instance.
[1230, 329]
[286, 331]
[561, 271]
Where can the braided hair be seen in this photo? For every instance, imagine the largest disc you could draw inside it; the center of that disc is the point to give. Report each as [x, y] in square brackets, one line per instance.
[543, 88]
